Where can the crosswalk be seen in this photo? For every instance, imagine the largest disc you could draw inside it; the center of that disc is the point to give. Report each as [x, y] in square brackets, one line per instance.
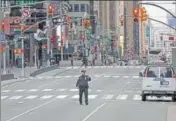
[67, 90]
[98, 67]
[122, 97]
[93, 76]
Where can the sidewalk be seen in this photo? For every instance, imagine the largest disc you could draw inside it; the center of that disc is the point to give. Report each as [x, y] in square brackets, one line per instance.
[17, 71]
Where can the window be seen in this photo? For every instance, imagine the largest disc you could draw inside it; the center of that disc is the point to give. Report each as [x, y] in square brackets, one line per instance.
[83, 8]
[76, 7]
[71, 8]
[152, 72]
[166, 72]
[87, 8]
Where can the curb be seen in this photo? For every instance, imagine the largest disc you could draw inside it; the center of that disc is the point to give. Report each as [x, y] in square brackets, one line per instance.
[7, 77]
[43, 70]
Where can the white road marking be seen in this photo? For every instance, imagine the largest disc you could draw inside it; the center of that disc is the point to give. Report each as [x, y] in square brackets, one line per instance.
[75, 67]
[116, 76]
[57, 77]
[137, 97]
[77, 76]
[6, 91]
[49, 77]
[46, 97]
[129, 91]
[73, 90]
[135, 77]
[108, 97]
[33, 90]
[3, 97]
[67, 76]
[30, 110]
[122, 97]
[138, 66]
[125, 76]
[15, 97]
[96, 67]
[62, 96]
[75, 97]
[92, 96]
[20, 90]
[31, 97]
[96, 75]
[99, 90]
[47, 90]
[40, 77]
[106, 76]
[61, 90]
[94, 111]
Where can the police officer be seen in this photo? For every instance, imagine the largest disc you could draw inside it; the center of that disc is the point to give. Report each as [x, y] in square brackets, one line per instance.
[83, 85]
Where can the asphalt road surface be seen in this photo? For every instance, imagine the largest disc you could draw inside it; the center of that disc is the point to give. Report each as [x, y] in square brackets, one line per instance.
[114, 95]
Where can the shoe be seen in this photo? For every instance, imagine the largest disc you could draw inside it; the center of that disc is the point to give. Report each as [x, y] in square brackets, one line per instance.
[80, 103]
[86, 103]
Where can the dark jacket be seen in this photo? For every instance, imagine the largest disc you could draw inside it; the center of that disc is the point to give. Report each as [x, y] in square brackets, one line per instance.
[83, 81]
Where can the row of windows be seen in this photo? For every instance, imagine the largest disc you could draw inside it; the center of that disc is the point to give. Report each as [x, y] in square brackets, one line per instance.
[79, 8]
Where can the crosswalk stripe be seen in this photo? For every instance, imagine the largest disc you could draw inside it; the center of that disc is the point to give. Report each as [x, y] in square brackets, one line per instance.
[20, 90]
[57, 77]
[108, 97]
[106, 76]
[46, 96]
[5, 91]
[40, 77]
[77, 76]
[73, 90]
[92, 96]
[136, 97]
[116, 76]
[15, 97]
[125, 76]
[49, 77]
[75, 97]
[3, 97]
[62, 96]
[122, 97]
[31, 97]
[99, 90]
[61, 90]
[96, 75]
[33, 90]
[47, 90]
[135, 77]
[67, 76]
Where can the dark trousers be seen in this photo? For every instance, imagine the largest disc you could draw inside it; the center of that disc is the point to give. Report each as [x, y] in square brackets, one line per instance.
[85, 91]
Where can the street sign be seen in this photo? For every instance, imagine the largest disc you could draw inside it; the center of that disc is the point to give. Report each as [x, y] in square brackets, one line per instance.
[39, 35]
[25, 12]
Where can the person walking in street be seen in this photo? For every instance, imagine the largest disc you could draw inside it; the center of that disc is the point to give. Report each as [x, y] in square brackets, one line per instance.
[84, 62]
[83, 86]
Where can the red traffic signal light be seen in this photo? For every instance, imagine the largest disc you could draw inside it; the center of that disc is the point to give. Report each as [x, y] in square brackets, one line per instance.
[50, 9]
[136, 12]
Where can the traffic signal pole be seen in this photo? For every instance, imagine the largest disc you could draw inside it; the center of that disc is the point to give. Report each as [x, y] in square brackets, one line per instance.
[47, 34]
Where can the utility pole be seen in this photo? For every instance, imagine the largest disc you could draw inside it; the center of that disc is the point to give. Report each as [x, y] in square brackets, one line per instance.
[62, 58]
[47, 36]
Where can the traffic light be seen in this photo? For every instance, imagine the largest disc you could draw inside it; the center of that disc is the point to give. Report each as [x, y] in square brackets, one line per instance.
[3, 25]
[136, 14]
[143, 14]
[22, 28]
[50, 10]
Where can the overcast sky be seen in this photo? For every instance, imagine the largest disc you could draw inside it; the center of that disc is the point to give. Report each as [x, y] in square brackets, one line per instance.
[158, 13]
